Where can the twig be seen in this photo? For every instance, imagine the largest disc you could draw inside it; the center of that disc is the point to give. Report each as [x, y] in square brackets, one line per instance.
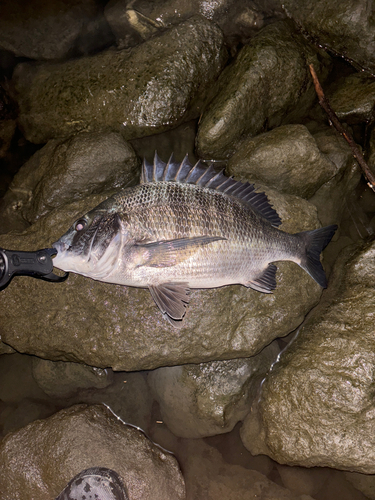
[370, 177]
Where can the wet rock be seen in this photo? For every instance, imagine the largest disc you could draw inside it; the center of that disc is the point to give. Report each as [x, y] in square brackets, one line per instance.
[141, 92]
[61, 380]
[53, 29]
[352, 98]
[209, 398]
[6, 349]
[272, 64]
[64, 169]
[106, 325]
[332, 197]
[80, 437]
[128, 396]
[137, 21]
[286, 158]
[316, 407]
[346, 28]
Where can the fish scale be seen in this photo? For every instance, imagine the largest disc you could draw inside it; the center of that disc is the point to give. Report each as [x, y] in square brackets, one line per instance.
[186, 227]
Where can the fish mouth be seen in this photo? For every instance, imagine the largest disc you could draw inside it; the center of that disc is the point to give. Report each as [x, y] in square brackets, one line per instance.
[60, 246]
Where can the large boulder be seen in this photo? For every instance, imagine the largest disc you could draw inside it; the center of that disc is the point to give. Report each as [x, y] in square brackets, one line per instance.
[142, 92]
[62, 171]
[317, 407]
[209, 398]
[268, 80]
[80, 437]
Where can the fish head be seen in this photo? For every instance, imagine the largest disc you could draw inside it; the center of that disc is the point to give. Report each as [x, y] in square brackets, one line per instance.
[92, 245]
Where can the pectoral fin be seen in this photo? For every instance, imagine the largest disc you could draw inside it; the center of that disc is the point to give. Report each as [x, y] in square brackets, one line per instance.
[168, 253]
[172, 300]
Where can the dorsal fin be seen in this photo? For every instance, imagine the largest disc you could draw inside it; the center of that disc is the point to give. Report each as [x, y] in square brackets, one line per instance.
[204, 176]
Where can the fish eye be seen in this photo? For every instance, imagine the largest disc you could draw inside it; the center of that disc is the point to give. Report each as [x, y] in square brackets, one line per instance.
[80, 224]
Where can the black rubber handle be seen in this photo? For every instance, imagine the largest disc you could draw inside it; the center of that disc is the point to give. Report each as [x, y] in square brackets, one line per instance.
[38, 264]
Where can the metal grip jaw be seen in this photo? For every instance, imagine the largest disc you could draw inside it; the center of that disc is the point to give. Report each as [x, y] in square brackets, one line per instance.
[38, 264]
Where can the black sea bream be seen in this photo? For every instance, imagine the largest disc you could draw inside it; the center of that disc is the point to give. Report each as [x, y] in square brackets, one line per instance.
[186, 227]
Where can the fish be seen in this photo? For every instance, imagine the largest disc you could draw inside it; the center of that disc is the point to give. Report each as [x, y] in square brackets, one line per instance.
[187, 227]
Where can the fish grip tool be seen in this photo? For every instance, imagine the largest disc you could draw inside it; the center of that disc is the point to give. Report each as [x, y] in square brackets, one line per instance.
[38, 264]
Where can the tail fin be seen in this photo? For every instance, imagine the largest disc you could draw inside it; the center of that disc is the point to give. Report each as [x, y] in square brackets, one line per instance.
[315, 241]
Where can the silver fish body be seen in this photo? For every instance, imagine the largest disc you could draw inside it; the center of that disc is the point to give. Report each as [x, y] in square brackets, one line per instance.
[186, 227]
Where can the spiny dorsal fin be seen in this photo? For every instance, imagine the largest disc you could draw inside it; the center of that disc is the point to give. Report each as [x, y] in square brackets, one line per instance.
[204, 176]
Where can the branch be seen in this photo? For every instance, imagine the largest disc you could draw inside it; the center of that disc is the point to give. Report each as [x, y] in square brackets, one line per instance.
[370, 177]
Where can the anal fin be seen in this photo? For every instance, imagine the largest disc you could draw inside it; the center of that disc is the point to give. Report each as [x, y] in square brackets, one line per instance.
[266, 282]
[172, 300]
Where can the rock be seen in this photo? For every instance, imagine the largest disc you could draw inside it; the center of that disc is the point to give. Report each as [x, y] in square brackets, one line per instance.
[142, 92]
[128, 396]
[6, 349]
[80, 437]
[272, 64]
[363, 483]
[332, 197]
[53, 29]
[316, 407]
[63, 170]
[286, 158]
[135, 22]
[209, 398]
[346, 28]
[352, 97]
[61, 380]
[106, 325]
